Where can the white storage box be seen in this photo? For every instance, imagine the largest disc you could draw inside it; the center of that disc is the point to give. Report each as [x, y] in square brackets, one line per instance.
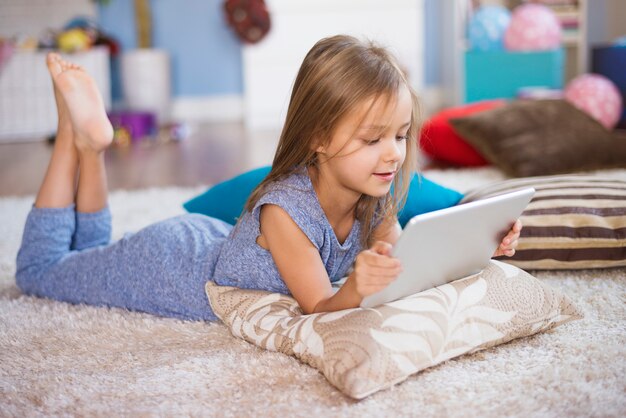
[27, 107]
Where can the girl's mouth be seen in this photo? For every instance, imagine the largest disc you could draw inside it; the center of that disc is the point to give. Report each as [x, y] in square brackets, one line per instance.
[388, 176]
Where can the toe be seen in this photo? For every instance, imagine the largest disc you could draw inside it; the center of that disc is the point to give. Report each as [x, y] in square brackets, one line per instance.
[53, 63]
[65, 64]
[53, 56]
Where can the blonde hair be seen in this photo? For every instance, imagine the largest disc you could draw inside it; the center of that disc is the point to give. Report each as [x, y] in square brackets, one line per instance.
[337, 75]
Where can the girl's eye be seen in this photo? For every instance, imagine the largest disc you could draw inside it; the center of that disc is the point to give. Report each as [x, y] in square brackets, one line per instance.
[371, 141]
[402, 138]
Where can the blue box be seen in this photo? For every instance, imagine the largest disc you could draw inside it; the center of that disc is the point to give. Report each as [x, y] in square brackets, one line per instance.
[500, 74]
[610, 61]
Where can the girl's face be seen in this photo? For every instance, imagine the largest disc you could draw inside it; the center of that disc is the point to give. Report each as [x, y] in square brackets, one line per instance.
[369, 146]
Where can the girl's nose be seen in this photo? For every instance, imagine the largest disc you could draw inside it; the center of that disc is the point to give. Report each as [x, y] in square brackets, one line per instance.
[394, 151]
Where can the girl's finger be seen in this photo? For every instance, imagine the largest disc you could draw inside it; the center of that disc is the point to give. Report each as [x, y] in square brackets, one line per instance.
[382, 248]
[375, 272]
[510, 237]
[377, 260]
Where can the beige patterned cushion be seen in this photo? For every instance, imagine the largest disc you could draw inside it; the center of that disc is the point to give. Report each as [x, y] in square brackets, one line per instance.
[572, 222]
[361, 351]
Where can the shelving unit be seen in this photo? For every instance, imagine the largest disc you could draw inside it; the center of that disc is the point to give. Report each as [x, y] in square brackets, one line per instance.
[573, 17]
[27, 106]
[582, 27]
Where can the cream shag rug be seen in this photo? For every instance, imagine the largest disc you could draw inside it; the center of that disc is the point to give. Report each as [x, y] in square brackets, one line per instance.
[60, 359]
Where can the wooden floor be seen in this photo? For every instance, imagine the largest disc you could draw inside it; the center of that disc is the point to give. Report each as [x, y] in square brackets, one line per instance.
[212, 153]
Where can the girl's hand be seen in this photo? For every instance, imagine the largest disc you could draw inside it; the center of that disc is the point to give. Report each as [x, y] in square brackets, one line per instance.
[374, 269]
[509, 242]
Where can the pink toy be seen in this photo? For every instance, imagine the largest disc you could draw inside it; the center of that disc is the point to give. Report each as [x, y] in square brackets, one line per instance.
[597, 96]
[533, 27]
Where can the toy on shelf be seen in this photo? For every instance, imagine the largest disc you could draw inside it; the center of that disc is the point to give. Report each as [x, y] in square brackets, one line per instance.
[597, 96]
[487, 27]
[79, 34]
[74, 40]
[533, 27]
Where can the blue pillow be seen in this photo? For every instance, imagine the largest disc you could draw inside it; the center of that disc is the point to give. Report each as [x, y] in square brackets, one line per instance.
[426, 196]
[226, 200]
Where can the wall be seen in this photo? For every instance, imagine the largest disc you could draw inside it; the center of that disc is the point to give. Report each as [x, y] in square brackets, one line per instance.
[616, 26]
[206, 56]
[432, 42]
[32, 18]
[270, 67]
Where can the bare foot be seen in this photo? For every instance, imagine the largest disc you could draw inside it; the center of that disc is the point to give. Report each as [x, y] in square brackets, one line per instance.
[83, 102]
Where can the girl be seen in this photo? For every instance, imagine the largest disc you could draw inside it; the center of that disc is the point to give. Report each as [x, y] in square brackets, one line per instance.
[324, 211]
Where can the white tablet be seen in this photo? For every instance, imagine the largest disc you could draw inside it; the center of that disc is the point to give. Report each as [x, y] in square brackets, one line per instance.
[445, 245]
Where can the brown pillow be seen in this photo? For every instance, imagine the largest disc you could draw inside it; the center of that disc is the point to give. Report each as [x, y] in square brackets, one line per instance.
[541, 137]
[361, 351]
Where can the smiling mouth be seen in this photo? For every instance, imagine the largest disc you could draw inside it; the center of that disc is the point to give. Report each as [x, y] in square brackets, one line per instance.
[386, 176]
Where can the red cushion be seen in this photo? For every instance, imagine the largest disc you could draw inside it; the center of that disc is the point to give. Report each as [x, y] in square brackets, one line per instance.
[439, 141]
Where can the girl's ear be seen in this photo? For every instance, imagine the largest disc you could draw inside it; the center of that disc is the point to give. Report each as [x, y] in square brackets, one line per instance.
[318, 146]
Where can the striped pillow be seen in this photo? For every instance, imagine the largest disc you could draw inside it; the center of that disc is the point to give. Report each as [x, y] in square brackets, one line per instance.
[572, 222]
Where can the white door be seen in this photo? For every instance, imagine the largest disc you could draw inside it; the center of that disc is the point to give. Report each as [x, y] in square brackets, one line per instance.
[270, 67]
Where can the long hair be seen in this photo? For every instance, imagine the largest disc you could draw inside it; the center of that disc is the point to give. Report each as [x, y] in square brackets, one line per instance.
[337, 75]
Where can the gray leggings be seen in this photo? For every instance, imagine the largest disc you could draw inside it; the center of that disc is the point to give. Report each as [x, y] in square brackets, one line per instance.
[162, 269]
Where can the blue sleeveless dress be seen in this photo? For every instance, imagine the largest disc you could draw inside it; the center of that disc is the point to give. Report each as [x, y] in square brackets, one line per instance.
[244, 263]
